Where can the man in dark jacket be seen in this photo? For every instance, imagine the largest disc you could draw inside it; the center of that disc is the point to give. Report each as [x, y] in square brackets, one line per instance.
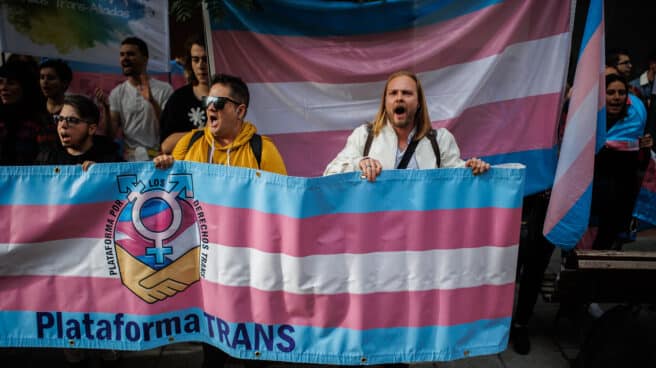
[78, 145]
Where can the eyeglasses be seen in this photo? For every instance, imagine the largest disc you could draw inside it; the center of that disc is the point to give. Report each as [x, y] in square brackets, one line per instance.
[625, 62]
[217, 102]
[70, 120]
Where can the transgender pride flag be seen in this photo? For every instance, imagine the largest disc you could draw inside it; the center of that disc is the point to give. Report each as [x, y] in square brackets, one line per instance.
[569, 206]
[329, 270]
[645, 209]
[493, 72]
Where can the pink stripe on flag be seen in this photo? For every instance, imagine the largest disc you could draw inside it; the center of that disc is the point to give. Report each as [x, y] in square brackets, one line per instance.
[244, 304]
[328, 234]
[623, 145]
[342, 233]
[586, 83]
[507, 126]
[571, 186]
[324, 146]
[477, 130]
[33, 223]
[374, 57]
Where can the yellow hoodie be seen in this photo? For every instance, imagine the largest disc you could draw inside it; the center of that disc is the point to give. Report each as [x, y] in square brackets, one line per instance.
[238, 153]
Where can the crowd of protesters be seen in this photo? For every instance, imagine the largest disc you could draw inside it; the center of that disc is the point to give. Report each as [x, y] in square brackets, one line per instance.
[620, 165]
[41, 124]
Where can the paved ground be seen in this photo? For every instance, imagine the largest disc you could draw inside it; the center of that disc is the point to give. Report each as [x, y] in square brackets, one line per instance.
[554, 345]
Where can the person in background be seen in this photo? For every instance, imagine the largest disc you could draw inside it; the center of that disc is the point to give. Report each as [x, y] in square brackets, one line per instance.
[616, 165]
[136, 104]
[184, 111]
[54, 78]
[621, 61]
[645, 81]
[23, 116]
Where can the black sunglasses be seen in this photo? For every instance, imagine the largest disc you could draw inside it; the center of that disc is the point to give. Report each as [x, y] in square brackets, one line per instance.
[217, 102]
[70, 120]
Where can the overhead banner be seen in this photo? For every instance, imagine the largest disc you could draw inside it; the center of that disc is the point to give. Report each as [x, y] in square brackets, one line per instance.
[332, 270]
[493, 72]
[86, 31]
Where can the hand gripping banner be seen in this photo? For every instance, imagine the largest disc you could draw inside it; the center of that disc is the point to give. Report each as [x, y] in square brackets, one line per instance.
[418, 266]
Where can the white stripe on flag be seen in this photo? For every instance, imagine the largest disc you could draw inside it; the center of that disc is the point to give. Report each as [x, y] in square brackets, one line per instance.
[320, 274]
[66, 257]
[578, 126]
[363, 273]
[525, 69]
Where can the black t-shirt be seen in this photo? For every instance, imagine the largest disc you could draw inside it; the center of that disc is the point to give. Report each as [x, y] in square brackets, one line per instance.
[182, 113]
[103, 150]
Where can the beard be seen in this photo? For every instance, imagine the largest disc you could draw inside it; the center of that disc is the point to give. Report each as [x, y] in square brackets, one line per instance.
[405, 122]
[129, 70]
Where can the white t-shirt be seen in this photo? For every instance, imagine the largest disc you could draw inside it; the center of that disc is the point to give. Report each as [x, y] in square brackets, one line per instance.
[138, 120]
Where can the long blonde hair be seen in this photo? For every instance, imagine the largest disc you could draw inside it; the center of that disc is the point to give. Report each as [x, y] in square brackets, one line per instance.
[422, 120]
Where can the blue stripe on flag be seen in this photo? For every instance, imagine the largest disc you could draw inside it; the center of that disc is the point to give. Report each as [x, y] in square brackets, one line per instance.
[540, 167]
[601, 129]
[645, 209]
[297, 197]
[302, 17]
[573, 224]
[592, 22]
[430, 343]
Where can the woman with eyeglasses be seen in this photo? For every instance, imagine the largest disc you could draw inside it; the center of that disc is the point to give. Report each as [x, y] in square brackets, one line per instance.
[23, 116]
[616, 165]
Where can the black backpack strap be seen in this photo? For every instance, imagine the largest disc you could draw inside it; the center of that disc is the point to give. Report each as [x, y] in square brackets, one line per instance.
[409, 151]
[194, 137]
[432, 137]
[370, 138]
[256, 145]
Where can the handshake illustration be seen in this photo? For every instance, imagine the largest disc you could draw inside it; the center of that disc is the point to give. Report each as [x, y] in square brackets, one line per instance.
[154, 285]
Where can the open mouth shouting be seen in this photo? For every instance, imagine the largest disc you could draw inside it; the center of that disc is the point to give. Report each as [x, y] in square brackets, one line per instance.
[65, 138]
[400, 114]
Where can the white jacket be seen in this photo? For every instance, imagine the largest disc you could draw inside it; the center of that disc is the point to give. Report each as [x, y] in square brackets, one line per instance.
[384, 147]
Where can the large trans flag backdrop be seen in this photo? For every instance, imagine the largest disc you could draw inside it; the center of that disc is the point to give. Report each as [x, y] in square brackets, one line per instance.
[86, 31]
[332, 270]
[493, 72]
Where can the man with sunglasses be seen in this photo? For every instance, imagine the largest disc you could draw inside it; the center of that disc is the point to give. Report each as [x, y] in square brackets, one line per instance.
[77, 123]
[227, 138]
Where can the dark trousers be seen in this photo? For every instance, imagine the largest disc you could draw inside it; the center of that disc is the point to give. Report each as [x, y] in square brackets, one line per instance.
[534, 255]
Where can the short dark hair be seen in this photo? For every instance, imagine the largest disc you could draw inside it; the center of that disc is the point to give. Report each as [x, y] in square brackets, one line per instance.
[84, 106]
[238, 89]
[613, 56]
[24, 74]
[136, 41]
[651, 58]
[193, 40]
[61, 68]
